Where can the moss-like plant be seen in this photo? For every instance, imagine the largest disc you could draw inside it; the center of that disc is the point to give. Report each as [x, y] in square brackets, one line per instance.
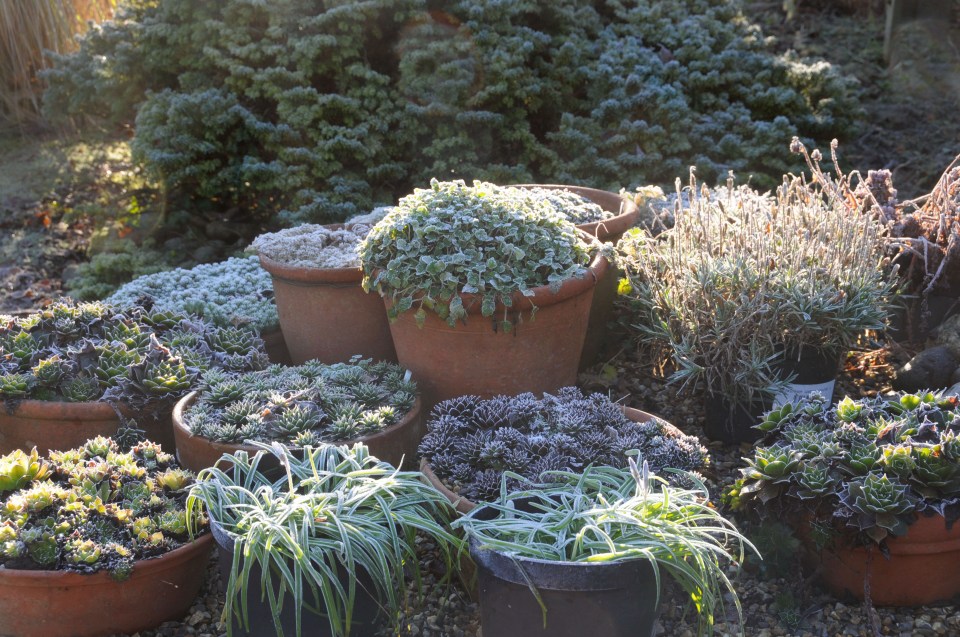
[337, 514]
[91, 508]
[471, 443]
[493, 244]
[862, 468]
[313, 246]
[235, 291]
[78, 352]
[303, 405]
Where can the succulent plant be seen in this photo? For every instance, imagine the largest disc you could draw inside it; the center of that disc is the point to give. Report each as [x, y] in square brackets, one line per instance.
[470, 442]
[865, 468]
[303, 405]
[91, 508]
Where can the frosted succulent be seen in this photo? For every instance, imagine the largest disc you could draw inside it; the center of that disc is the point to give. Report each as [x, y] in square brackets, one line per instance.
[303, 405]
[70, 512]
[864, 468]
[470, 442]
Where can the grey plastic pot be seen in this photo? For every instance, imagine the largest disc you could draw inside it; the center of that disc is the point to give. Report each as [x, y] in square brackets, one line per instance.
[612, 599]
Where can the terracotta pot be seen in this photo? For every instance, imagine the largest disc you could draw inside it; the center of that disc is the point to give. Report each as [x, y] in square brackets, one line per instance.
[463, 505]
[395, 443]
[61, 604]
[924, 566]
[276, 347]
[56, 426]
[326, 315]
[537, 356]
[608, 231]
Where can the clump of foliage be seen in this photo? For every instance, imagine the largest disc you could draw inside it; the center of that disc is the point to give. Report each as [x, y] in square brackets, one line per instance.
[472, 443]
[233, 292]
[336, 514]
[576, 208]
[491, 243]
[91, 508]
[313, 108]
[743, 279]
[313, 246]
[606, 514]
[862, 469]
[107, 271]
[78, 352]
[303, 405]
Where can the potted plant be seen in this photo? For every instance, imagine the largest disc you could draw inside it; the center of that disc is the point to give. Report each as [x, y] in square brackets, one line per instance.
[343, 403]
[753, 298]
[923, 236]
[324, 313]
[94, 541]
[488, 290]
[584, 553]
[73, 371]
[321, 549]
[472, 443]
[872, 488]
[235, 292]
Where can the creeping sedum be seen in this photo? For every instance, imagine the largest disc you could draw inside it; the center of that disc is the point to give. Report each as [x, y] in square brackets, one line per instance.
[303, 405]
[235, 291]
[91, 508]
[492, 242]
[313, 246]
[471, 442]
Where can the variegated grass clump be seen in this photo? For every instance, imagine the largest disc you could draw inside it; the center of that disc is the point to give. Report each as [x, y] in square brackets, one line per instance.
[336, 514]
[606, 514]
[744, 278]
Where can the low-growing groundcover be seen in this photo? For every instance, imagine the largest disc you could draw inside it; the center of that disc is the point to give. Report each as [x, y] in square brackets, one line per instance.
[312, 108]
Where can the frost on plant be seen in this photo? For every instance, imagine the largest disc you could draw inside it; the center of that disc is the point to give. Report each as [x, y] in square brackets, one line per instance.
[235, 291]
[313, 246]
[303, 405]
[471, 442]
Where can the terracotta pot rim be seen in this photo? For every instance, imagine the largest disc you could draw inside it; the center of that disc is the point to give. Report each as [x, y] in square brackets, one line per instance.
[144, 568]
[604, 228]
[61, 410]
[463, 505]
[230, 448]
[542, 295]
[302, 275]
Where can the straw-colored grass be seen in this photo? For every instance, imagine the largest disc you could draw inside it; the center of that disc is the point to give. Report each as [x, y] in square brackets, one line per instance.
[27, 29]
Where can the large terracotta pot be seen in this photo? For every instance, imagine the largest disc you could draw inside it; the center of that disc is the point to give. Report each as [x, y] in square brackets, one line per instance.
[463, 505]
[326, 315]
[924, 566]
[608, 231]
[396, 443]
[61, 604]
[538, 355]
[56, 426]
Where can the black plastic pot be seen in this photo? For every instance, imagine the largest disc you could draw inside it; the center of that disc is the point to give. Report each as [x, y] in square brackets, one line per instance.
[366, 610]
[732, 423]
[813, 368]
[612, 599]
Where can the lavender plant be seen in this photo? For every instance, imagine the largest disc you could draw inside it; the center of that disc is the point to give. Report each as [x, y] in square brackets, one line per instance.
[472, 443]
[91, 508]
[303, 405]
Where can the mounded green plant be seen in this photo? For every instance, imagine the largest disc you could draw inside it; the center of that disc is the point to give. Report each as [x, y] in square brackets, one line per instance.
[313, 108]
[491, 243]
[606, 514]
[335, 513]
[92, 508]
[303, 405]
[232, 292]
[79, 352]
[471, 443]
[862, 470]
[743, 279]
